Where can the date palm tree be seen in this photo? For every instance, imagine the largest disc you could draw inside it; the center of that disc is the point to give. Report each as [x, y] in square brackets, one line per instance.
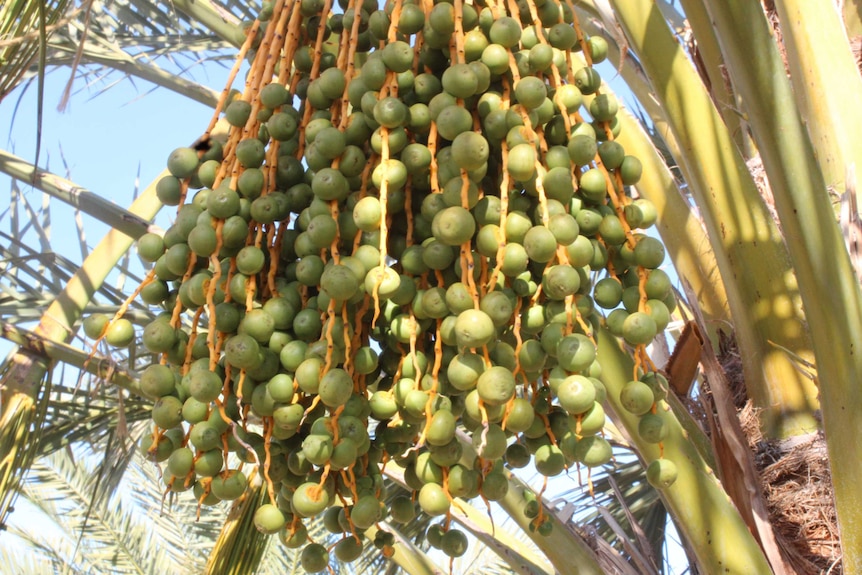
[749, 154]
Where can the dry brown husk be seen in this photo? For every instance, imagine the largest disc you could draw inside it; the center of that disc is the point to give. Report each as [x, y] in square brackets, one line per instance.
[795, 482]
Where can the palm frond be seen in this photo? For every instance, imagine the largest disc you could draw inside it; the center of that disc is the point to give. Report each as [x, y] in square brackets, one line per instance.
[176, 524]
[87, 416]
[17, 557]
[604, 507]
[72, 194]
[29, 552]
[276, 560]
[113, 530]
[24, 27]
[61, 488]
[159, 41]
[33, 277]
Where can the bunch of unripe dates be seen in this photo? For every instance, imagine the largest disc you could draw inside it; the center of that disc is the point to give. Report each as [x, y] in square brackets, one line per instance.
[399, 257]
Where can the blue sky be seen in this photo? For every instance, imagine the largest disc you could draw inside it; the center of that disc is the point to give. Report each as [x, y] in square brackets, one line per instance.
[114, 136]
[106, 136]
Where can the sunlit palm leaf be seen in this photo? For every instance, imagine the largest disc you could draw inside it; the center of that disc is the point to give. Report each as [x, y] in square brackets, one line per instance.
[20, 560]
[70, 193]
[28, 553]
[126, 532]
[61, 487]
[276, 561]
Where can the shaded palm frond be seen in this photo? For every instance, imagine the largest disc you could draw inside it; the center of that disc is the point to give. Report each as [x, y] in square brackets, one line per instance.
[77, 416]
[24, 28]
[159, 41]
[616, 500]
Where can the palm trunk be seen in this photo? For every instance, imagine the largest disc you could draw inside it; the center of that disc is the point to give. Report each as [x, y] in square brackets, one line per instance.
[827, 283]
[713, 528]
[749, 250]
[817, 53]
